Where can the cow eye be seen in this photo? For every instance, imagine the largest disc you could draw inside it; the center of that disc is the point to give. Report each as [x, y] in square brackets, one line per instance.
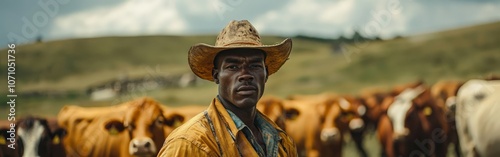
[479, 96]
[159, 122]
[292, 114]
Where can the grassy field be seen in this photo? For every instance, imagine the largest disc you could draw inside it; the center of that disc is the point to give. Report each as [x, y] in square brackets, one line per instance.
[72, 65]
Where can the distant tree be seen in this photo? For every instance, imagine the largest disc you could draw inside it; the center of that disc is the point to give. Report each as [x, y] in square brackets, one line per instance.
[39, 38]
[342, 39]
[358, 38]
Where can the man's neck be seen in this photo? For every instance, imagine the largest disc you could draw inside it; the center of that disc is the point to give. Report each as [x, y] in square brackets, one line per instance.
[246, 115]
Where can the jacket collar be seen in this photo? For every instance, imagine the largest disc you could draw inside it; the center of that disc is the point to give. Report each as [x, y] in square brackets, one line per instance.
[217, 109]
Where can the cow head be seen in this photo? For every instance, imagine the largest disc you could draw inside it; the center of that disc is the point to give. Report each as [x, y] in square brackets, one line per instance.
[273, 108]
[329, 112]
[444, 93]
[372, 100]
[471, 93]
[37, 139]
[351, 112]
[144, 122]
[5, 129]
[399, 109]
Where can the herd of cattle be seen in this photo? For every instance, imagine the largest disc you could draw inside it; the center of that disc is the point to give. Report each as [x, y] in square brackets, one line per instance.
[412, 119]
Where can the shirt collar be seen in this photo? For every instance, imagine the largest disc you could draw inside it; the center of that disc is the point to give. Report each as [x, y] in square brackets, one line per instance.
[269, 133]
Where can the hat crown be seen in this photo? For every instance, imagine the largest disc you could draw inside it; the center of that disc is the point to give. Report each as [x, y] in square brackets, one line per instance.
[238, 33]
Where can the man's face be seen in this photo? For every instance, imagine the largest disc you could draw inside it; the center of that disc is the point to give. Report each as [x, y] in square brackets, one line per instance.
[241, 75]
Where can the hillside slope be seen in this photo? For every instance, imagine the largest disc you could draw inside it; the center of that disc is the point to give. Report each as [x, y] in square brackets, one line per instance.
[73, 65]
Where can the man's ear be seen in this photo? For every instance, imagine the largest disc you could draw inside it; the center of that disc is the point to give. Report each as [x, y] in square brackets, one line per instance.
[215, 75]
[267, 75]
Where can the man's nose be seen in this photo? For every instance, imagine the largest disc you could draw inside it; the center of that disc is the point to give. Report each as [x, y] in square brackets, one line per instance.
[245, 77]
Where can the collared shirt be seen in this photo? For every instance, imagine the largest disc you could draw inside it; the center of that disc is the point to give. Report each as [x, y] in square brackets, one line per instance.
[269, 134]
[213, 133]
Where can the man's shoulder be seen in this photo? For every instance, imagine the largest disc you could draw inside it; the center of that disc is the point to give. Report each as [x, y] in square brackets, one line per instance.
[194, 134]
[192, 129]
[195, 129]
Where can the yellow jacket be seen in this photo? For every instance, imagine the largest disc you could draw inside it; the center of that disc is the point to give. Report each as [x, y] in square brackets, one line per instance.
[196, 137]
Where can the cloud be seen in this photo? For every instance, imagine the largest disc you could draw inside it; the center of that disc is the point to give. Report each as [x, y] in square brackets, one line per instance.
[133, 17]
[322, 18]
[327, 19]
[384, 18]
[424, 17]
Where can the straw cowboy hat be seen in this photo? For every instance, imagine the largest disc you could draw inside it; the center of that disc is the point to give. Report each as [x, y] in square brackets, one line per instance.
[237, 34]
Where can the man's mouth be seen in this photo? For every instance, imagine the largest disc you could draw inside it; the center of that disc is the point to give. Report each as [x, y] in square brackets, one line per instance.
[246, 90]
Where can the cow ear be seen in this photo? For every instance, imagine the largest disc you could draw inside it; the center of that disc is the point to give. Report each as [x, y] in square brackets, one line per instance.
[114, 127]
[3, 137]
[386, 103]
[57, 135]
[174, 120]
[323, 106]
[427, 111]
[291, 114]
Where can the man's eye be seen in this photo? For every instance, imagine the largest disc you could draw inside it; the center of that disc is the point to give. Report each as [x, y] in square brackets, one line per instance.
[256, 66]
[232, 67]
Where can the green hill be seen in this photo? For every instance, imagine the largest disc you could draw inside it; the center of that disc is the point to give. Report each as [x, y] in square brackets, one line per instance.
[72, 65]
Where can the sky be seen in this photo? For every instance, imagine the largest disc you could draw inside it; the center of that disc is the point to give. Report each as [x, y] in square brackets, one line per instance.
[22, 21]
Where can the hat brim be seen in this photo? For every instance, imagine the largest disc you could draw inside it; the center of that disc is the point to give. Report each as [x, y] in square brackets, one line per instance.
[201, 57]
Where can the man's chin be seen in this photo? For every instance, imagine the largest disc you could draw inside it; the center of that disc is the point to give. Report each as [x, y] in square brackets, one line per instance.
[247, 102]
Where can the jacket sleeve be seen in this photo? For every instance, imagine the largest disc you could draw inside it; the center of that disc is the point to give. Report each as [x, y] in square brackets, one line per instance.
[289, 146]
[181, 147]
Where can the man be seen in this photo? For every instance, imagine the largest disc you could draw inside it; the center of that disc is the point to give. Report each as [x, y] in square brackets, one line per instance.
[232, 126]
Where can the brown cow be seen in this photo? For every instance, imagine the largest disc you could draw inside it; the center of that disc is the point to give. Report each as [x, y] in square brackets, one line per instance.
[85, 127]
[58, 133]
[413, 124]
[445, 92]
[371, 99]
[187, 111]
[314, 126]
[176, 116]
[274, 109]
[315, 97]
[134, 128]
[351, 120]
